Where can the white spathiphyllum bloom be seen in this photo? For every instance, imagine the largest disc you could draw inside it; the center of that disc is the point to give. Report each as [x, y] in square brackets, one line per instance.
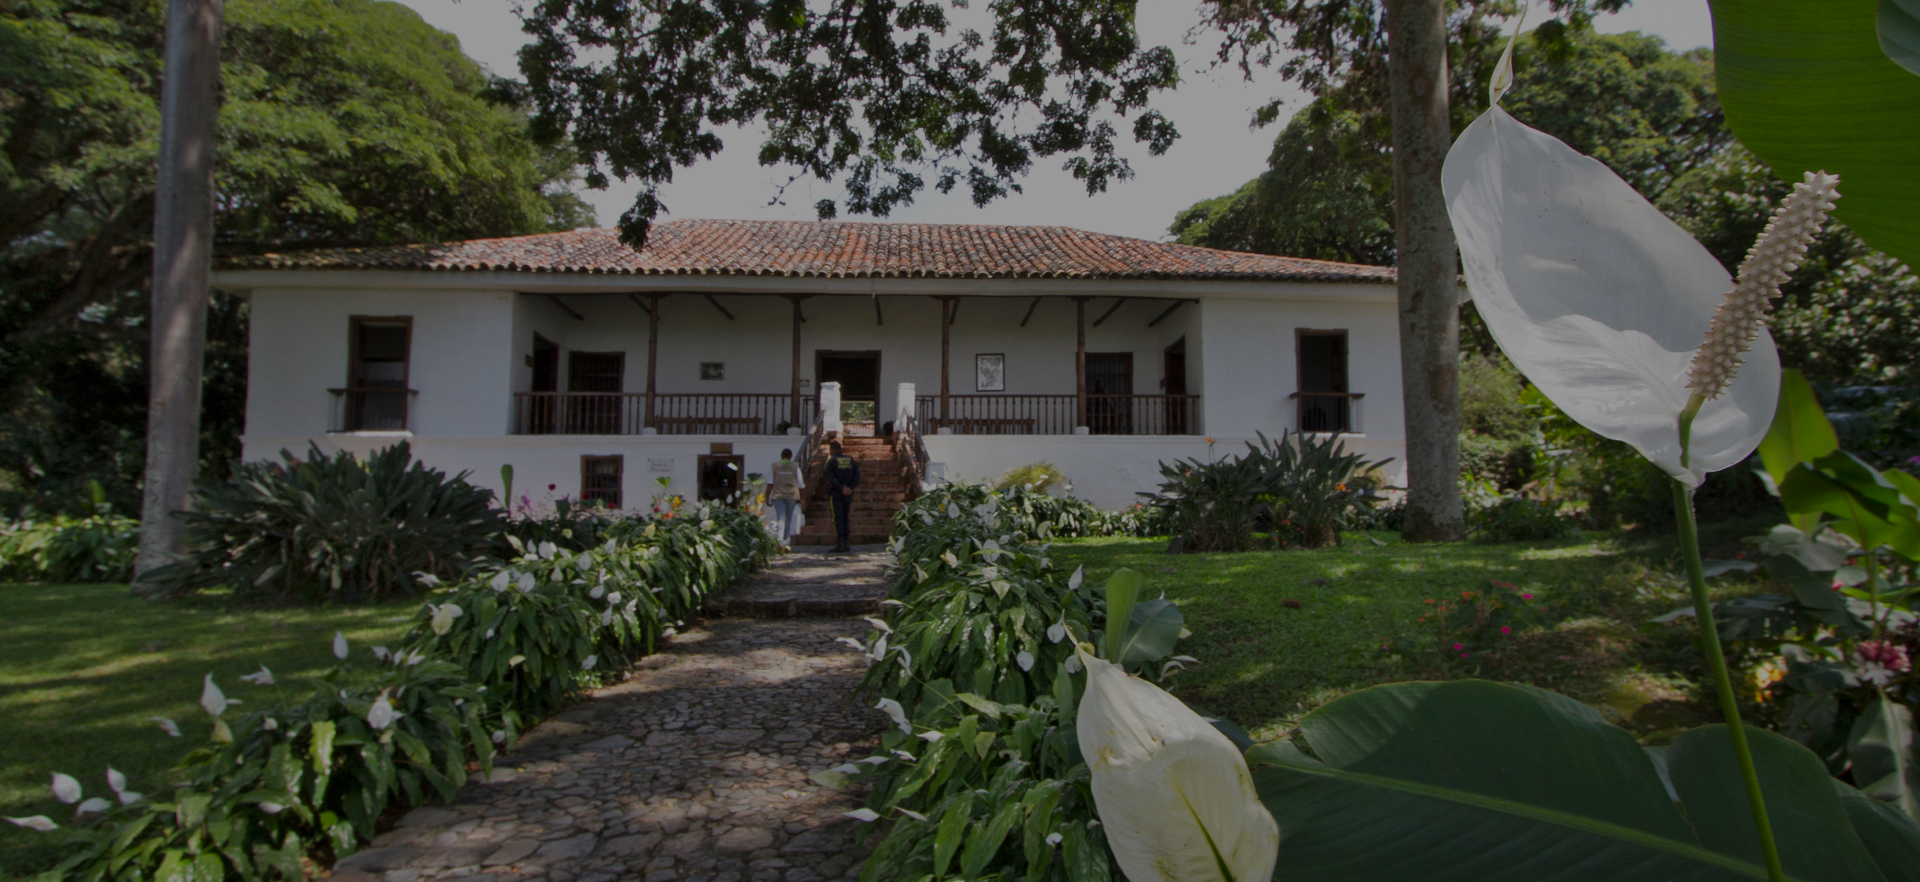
[339, 646]
[66, 788]
[615, 597]
[381, 714]
[896, 713]
[864, 816]
[598, 592]
[212, 700]
[262, 677]
[271, 808]
[1054, 838]
[499, 581]
[857, 645]
[1599, 298]
[1174, 794]
[92, 806]
[443, 616]
[1057, 632]
[1024, 659]
[1079, 575]
[586, 664]
[45, 824]
[525, 583]
[168, 726]
[878, 624]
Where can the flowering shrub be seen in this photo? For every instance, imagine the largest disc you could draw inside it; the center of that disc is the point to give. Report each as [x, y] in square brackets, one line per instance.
[1460, 629]
[974, 663]
[308, 774]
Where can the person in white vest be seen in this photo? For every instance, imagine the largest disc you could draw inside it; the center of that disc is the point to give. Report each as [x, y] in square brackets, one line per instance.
[785, 495]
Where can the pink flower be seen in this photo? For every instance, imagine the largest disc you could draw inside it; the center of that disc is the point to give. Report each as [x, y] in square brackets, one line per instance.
[1459, 646]
[1504, 629]
[1463, 655]
[1881, 661]
[1526, 597]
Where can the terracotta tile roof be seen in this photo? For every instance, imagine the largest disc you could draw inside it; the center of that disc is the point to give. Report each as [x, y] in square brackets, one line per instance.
[836, 249]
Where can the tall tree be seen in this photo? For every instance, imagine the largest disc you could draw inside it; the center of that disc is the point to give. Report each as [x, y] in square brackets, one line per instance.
[1392, 54]
[182, 271]
[343, 122]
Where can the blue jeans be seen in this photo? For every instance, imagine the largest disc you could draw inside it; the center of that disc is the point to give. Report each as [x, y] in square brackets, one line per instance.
[783, 510]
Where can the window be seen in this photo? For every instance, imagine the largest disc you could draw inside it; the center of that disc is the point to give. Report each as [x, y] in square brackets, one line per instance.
[600, 478]
[376, 396]
[1322, 402]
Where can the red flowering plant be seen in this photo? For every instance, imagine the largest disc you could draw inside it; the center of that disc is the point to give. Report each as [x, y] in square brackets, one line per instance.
[1469, 627]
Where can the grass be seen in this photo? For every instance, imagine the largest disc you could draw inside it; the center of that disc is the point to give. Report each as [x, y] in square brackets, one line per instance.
[84, 668]
[1264, 663]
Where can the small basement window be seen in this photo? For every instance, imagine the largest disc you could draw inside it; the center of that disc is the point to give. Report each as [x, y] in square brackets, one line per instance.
[600, 479]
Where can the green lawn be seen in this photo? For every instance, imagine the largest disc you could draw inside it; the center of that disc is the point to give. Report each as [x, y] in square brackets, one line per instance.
[84, 667]
[1264, 663]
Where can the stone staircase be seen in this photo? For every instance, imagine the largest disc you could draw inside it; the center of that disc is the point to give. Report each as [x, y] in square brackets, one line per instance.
[883, 490]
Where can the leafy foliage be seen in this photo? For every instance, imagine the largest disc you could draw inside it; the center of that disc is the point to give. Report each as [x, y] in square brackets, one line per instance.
[308, 776]
[1302, 488]
[97, 548]
[1039, 477]
[981, 773]
[341, 123]
[875, 91]
[332, 527]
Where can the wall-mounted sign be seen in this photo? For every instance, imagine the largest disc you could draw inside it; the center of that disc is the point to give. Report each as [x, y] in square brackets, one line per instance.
[660, 465]
[990, 373]
[713, 370]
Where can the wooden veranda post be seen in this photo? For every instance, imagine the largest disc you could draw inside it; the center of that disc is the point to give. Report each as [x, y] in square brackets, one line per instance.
[794, 418]
[1080, 362]
[946, 357]
[653, 355]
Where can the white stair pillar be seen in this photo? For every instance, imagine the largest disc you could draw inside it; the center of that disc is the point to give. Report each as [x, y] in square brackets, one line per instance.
[905, 406]
[830, 406]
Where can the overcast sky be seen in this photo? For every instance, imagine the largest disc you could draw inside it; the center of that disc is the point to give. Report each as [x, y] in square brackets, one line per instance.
[1216, 153]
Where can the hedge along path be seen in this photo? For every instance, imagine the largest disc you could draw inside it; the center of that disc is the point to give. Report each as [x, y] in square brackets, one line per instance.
[695, 768]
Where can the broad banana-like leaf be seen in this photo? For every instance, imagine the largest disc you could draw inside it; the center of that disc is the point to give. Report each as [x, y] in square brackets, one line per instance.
[1123, 589]
[1892, 839]
[1807, 87]
[1800, 433]
[1898, 23]
[1865, 505]
[1152, 630]
[1883, 750]
[1472, 780]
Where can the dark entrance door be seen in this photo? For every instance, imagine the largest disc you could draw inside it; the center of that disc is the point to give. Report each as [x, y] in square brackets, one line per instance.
[720, 475]
[858, 373]
[1324, 405]
[600, 372]
[546, 378]
[1109, 393]
[1178, 421]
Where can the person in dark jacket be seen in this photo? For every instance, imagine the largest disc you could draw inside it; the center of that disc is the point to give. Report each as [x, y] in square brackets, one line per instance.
[843, 475]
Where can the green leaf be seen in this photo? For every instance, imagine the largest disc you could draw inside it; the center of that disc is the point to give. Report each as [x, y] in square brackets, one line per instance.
[1800, 433]
[1898, 25]
[1891, 837]
[1807, 86]
[1152, 629]
[1473, 780]
[1123, 588]
[953, 826]
[983, 844]
[1882, 748]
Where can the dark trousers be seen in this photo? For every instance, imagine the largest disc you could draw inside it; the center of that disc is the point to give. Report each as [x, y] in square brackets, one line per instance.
[842, 508]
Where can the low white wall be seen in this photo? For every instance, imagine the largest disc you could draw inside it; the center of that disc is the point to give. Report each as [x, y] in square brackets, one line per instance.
[1109, 470]
[553, 459]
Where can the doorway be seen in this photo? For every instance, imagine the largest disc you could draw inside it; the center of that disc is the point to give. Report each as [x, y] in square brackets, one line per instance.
[858, 373]
[595, 372]
[546, 378]
[1176, 418]
[1109, 393]
[1323, 404]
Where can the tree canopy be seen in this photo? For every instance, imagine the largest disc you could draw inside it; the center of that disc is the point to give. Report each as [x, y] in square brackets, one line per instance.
[878, 93]
[343, 122]
[1651, 114]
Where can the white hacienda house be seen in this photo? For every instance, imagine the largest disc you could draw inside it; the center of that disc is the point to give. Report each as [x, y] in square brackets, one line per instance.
[597, 369]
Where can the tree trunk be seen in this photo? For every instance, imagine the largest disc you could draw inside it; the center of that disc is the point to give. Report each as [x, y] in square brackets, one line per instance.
[1429, 291]
[182, 263]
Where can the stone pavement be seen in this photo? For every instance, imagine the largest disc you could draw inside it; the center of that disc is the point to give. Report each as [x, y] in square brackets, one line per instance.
[695, 768]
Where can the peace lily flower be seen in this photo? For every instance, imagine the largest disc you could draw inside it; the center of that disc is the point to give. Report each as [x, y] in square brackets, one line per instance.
[588, 662]
[499, 581]
[443, 616]
[212, 700]
[1174, 793]
[381, 714]
[117, 782]
[45, 824]
[66, 788]
[168, 726]
[896, 713]
[339, 645]
[1619, 316]
[262, 677]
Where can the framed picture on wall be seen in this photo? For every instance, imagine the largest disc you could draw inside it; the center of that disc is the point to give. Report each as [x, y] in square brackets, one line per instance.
[990, 372]
[713, 370]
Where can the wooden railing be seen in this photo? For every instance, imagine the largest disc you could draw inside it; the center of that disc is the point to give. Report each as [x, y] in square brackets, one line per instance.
[1058, 414]
[371, 409]
[625, 413]
[1327, 411]
[912, 455]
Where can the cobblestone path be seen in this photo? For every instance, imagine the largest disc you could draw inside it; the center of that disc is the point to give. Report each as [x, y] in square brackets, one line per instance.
[695, 768]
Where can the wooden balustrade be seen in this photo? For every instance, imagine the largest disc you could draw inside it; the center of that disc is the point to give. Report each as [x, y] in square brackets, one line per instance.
[1057, 414]
[625, 413]
[1327, 411]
